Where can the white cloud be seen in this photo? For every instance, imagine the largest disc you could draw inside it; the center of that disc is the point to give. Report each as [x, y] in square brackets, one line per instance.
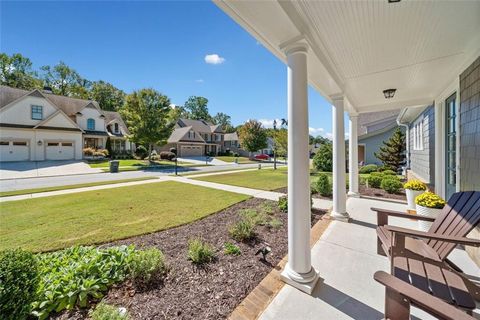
[268, 123]
[315, 131]
[199, 81]
[214, 59]
[328, 135]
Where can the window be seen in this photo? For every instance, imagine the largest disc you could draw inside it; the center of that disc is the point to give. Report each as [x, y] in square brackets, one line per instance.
[4, 143]
[37, 112]
[52, 144]
[116, 127]
[67, 144]
[418, 134]
[19, 143]
[90, 124]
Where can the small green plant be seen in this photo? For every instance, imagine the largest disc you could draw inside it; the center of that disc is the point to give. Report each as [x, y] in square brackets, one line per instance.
[275, 223]
[147, 263]
[257, 218]
[283, 204]
[374, 181]
[323, 185]
[430, 200]
[18, 283]
[369, 168]
[391, 185]
[267, 208]
[200, 252]
[389, 172]
[376, 174]
[243, 230]
[231, 249]
[415, 184]
[105, 311]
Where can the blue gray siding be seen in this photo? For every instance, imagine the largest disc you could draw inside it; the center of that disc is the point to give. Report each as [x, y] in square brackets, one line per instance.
[422, 162]
[373, 144]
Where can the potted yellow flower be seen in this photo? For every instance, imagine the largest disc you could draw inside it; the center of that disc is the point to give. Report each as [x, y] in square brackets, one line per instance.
[430, 205]
[413, 188]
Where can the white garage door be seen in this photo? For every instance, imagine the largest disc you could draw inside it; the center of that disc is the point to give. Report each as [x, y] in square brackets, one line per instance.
[56, 150]
[191, 151]
[14, 151]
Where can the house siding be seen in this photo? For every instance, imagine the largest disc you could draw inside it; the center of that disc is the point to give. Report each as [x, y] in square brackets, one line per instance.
[470, 138]
[373, 144]
[422, 162]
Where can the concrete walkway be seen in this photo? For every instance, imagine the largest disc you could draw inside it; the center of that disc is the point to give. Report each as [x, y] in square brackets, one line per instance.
[32, 169]
[346, 259]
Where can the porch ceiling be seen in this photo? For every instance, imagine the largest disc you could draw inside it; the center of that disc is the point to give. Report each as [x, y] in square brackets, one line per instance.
[361, 48]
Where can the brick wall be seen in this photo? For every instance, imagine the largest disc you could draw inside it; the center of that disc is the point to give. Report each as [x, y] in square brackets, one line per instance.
[422, 162]
[470, 138]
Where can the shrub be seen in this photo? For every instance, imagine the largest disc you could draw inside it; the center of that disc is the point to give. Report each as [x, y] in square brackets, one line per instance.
[275, 223]
[236, 154]
[369, 168]
[416, 185]
[323, 159]
[166, 155]
[243, 230]
[88, 151]
[391, 185]
[323, 185]
[283, 204]
[267, 208]
[18, 283]
[141, 152]
[105, 311]
[232, 249]
[76, 275]
[374, 181]
[389, 172]
[147, 263]
[430, 200]
[377, 174]
[98, 154]
[200, 252]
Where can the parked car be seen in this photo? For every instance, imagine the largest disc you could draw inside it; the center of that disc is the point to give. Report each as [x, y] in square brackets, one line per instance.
[262, 157]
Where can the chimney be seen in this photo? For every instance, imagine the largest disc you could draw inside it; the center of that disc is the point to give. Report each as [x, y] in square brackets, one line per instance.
[47, 89]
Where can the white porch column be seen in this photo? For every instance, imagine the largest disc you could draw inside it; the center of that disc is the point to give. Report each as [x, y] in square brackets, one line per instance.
[353, 156]
[339, 211]
[298, 271]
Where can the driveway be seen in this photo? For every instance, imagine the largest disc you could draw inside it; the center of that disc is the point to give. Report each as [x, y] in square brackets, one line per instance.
[201, 160]
[32, 169]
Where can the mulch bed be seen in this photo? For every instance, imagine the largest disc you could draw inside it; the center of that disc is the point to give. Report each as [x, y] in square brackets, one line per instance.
[380, 193]
[210, 292]
[314, 195]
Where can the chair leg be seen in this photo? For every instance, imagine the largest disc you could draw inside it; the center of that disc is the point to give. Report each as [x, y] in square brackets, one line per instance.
[396, 306]
[380, 250]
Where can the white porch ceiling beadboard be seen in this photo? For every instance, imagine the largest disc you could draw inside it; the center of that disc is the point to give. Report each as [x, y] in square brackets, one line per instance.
[364, 47]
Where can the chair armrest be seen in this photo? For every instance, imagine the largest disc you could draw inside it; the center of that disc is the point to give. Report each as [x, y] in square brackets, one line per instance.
[420, 298]
[433, 236]
[383, 214]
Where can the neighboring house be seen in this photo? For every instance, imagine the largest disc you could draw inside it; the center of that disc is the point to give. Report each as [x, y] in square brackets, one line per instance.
[373, 129]
[195, 138]
[232, 142]
[117, 131]
[269, 149]
[38, 125]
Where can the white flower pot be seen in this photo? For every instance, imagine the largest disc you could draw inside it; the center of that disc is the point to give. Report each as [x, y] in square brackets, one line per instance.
[426, 212]
[411, 195]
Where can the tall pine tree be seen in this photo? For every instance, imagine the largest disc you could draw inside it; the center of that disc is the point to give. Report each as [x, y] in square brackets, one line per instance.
[392, 153]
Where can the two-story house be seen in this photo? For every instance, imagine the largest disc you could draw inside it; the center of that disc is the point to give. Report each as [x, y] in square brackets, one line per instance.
[37, 125]
[195, 138]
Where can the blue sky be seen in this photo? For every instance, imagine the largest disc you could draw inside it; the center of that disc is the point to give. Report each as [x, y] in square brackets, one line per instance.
[161, 45]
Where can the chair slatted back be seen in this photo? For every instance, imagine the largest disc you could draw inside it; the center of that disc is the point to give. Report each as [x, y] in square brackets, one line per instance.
[459, 216]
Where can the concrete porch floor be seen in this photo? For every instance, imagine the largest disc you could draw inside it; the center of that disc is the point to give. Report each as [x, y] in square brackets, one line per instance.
[346, 259]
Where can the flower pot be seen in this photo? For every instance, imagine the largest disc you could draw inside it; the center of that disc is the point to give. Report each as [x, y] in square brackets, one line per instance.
[426, 212]
[411, 195]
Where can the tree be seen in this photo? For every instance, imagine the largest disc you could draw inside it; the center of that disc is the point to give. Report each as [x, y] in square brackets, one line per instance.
[323, 159]
[148, 116]
[108, 97]
[108, 146]
[223, 119]
[392, 153]
[16, 71]
[253, 136]
[281, 142]
[65, 81]
[197, 108]
[321, 140]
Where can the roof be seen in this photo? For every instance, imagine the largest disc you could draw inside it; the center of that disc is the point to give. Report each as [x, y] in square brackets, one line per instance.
[200, 126]
[371, 122]
[179, 133]
[230, 136]
[111, 116]
[68, 105]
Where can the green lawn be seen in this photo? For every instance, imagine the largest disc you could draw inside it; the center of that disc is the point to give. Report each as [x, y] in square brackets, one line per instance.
[70, 186]
[232, 159]
[104, 215]
[265, 179]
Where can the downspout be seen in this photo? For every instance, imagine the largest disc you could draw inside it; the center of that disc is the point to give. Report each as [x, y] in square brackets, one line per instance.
[407, 140]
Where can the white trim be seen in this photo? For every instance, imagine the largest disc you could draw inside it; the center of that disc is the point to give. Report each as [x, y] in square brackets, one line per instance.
[418, 133]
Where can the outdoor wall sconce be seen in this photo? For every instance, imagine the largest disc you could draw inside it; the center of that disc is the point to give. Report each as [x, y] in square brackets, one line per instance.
[389, 93]
[39, 143]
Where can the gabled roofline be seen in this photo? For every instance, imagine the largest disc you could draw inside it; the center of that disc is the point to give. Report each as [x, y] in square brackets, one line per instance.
[93, 104]
[29, 93]
[377, 132]
[59, 111]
